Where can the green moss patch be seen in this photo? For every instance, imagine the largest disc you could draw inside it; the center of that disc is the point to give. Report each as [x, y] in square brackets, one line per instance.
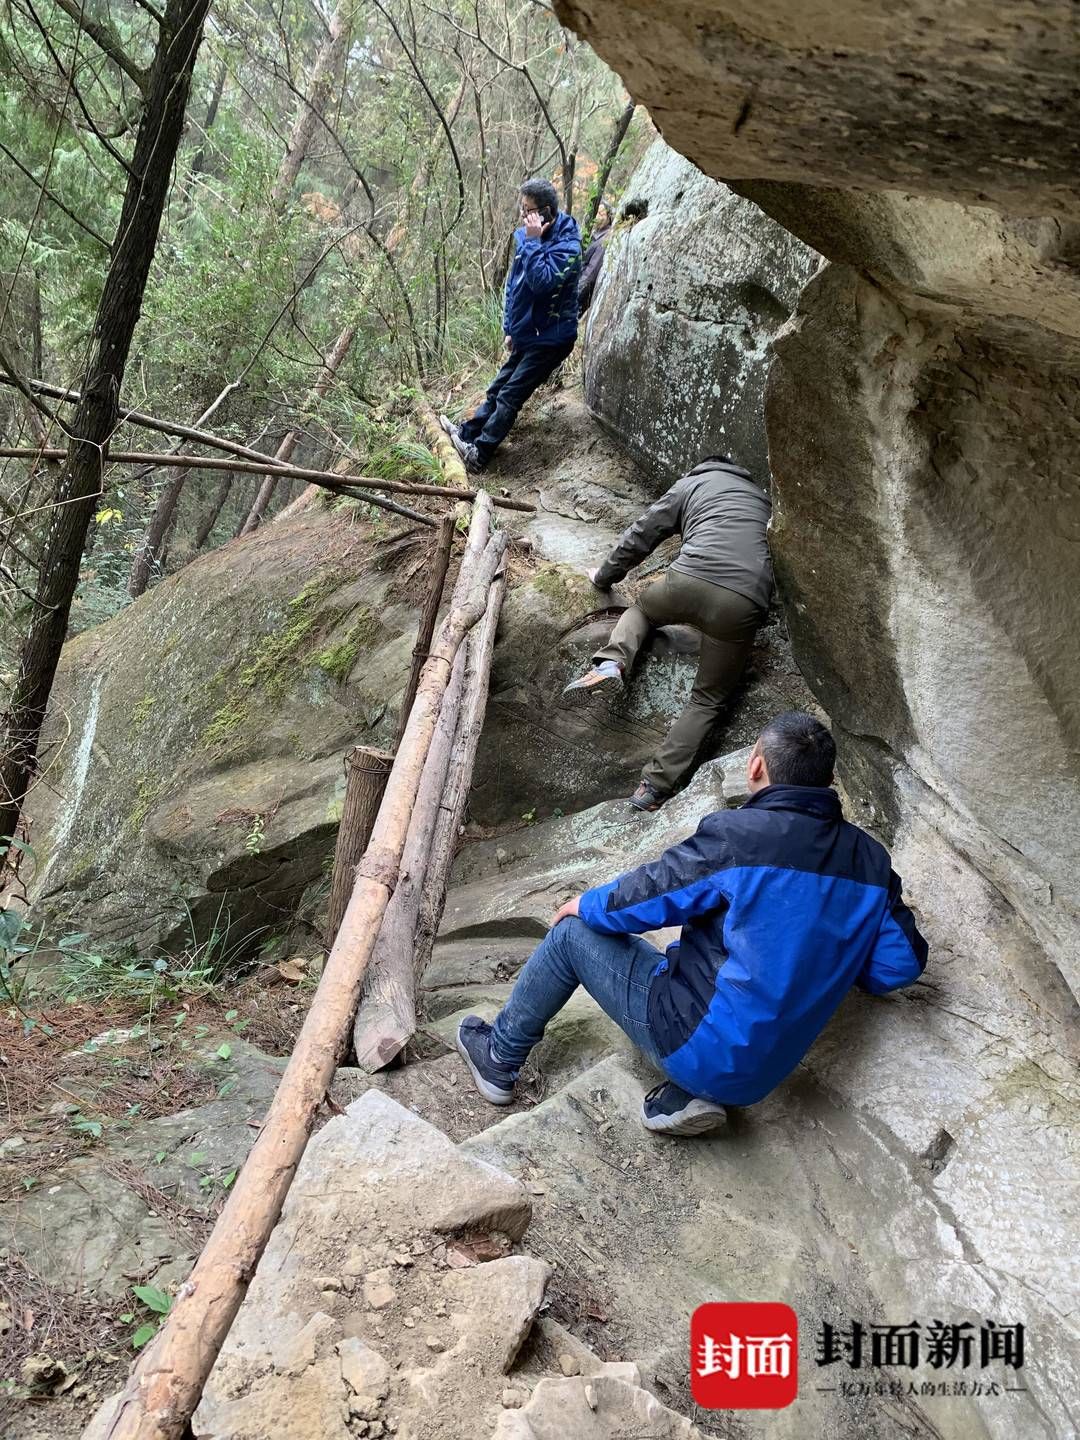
[338, 660]
[271, 668]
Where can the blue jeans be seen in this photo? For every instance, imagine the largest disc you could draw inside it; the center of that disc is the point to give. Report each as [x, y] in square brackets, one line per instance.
[616, 970]
[526, 368]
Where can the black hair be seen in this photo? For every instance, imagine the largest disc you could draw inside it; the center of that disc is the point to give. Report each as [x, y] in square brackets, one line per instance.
[636, 208]
[798, 750]
[724, 459]
[543, 195]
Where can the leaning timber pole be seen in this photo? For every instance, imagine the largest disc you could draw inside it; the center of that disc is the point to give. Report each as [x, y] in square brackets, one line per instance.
[167, 1380]
[79, 483]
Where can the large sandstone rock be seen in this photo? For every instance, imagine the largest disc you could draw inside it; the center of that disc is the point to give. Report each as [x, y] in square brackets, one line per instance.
[900, 1173]
[699, 286]
[197, 780]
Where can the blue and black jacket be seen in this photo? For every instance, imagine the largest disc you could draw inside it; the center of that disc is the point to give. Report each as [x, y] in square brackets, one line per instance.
[784, 906]
[541, 305]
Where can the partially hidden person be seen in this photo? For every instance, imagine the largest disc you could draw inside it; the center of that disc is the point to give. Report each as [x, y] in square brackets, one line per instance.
[540, 321]
[593, 261]
[720, 583]
[784, 907]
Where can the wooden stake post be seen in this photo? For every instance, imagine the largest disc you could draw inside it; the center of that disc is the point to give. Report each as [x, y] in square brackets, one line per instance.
[366, 773]
[167, 1380]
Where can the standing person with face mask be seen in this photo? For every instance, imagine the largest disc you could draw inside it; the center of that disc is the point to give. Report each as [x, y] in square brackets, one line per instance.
[540, 321]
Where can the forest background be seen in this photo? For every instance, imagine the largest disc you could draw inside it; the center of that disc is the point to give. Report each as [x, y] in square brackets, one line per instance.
[335, 232]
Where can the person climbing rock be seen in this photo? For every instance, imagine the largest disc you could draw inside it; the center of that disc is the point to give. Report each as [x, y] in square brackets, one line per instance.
[540, 318]
[720, 582]
[593, 261]
[784, 906]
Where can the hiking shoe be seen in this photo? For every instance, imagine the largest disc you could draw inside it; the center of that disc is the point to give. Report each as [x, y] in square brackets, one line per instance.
[445, 423]
[647, 797]
[603, 681]
[667, 1110]
[494, 1081]
[473, 464]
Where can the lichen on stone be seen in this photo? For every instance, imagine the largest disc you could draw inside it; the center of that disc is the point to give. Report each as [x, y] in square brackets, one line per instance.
[338, 660]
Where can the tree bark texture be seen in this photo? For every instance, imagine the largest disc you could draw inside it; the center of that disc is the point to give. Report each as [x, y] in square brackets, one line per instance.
[166, 1382]
[386, 1020]
[326, 70]
[455, 797]
[79, 483]
[366, 773]
[425, 629]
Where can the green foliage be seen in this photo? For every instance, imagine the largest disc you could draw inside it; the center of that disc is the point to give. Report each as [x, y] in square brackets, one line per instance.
[151, 1299]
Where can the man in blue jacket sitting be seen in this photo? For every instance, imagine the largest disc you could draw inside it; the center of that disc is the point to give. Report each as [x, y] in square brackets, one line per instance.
[784, 906]
[540, 321]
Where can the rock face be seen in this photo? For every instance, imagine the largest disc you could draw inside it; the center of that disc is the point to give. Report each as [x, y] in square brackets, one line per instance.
[898, 1174]
[699, 286]
[923, 409]
[197, 778]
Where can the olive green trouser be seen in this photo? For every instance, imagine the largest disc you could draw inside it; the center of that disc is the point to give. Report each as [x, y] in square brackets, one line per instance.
[728, 622]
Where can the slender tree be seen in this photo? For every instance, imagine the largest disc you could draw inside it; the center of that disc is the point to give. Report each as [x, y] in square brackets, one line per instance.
[80, 482]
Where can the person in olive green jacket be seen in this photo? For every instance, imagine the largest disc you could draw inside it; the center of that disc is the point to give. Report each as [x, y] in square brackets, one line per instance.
[720, 583]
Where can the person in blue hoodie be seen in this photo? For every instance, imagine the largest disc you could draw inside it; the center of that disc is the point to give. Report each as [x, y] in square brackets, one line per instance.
[540, 321]
[784, 907]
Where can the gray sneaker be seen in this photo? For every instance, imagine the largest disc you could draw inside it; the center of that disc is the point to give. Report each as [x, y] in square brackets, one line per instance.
[669, 1110]
[602, 682]
[473, 464]
[445, 423]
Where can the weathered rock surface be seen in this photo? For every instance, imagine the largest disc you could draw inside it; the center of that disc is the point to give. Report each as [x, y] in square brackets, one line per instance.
[199, 790]
[883, 1181]
[700, 286]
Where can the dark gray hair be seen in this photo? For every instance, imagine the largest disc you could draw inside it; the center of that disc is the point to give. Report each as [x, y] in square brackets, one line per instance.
[543, 195]
[798, 750]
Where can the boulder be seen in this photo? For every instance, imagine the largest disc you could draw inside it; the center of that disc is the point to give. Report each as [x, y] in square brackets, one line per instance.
[700, 286]
[883, 1179]
[196, 776]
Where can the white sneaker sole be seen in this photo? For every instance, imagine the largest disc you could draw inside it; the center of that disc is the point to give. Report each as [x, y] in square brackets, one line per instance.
[690, 1122]
[490, 1092]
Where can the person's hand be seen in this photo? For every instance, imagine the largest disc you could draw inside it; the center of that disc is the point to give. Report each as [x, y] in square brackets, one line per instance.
[565, 911]
[509, 343]
[534, 225]
[592, 574]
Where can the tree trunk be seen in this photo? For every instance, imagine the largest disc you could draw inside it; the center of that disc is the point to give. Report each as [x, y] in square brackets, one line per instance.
[166, 1382]
[210, 519]
[366, 773]
[618, 135]
[327, 64]
[386, 1020]
[455, 798]
[283, 454]
[426, 628]
[79, 483]
[148, 555]
[198, 165]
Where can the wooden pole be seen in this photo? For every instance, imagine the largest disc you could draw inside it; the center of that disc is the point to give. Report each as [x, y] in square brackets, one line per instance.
[450, 462]
[167, 1380]
[344, 484]
[455, 797]
[366, 773]
[386, 1020]
[430, 613]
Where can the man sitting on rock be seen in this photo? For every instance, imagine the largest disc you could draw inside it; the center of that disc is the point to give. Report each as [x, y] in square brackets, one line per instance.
[784, 906]
[719, 582]
[540, 321]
